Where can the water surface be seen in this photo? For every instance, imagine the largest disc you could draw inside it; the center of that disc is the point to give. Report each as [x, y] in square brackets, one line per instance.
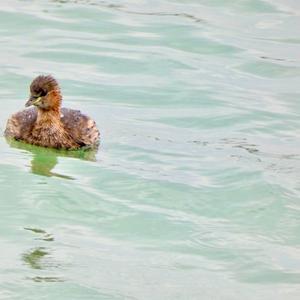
[195, 191]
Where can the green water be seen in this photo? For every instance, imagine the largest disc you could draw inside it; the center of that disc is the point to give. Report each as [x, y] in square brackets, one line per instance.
[195, 191]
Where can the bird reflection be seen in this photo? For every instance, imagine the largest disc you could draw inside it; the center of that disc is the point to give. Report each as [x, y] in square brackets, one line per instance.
[44, 160]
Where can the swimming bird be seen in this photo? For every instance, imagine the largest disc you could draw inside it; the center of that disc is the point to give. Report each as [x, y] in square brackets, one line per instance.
[47, 124]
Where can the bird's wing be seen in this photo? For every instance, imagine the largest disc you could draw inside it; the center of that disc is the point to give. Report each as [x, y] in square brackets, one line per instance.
[20, 123]
[82, 128]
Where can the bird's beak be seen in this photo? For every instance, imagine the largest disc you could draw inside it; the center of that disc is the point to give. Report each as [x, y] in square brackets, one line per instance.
[32, 101]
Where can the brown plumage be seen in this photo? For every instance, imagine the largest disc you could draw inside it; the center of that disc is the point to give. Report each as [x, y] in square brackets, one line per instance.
[49, 125]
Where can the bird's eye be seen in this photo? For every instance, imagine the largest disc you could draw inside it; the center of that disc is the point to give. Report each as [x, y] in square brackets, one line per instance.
[43, 93]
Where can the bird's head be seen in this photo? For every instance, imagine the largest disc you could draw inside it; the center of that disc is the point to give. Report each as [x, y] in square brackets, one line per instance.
[44, 93]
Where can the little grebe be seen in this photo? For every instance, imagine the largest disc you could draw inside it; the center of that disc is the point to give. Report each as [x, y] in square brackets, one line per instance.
[49, 125]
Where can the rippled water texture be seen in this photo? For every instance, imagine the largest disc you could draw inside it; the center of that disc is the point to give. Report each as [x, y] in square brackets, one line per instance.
[195, 191]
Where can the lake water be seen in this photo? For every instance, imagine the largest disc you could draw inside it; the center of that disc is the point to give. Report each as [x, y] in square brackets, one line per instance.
[195, 191]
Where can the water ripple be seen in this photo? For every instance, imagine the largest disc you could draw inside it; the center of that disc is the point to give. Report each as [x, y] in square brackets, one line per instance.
[197, 176]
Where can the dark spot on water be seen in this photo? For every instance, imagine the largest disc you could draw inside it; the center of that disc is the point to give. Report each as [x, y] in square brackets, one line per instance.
[35, 230]
[46, 236]
[273, 58]
[46, 279]
[34, 257]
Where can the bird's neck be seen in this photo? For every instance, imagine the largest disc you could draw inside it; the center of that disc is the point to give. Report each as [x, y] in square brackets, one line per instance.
[49, 117]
